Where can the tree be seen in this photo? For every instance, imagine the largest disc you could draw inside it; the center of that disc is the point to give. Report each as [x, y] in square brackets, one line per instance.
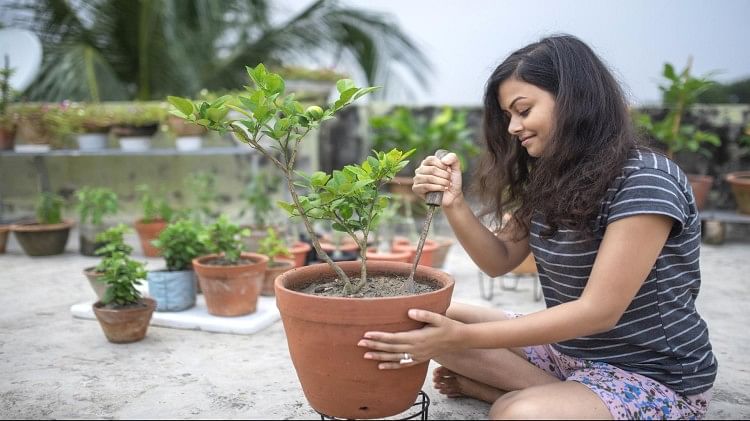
[148, 49]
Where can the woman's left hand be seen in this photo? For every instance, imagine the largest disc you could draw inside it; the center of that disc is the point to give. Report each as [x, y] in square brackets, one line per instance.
[395, 350]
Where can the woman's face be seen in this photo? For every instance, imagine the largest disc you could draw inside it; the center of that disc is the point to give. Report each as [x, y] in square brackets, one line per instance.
[531, 113]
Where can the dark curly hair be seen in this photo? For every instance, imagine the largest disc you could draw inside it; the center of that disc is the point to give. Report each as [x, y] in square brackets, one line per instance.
[591, 138]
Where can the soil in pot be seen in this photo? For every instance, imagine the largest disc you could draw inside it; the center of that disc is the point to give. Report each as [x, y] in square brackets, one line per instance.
[390, 285]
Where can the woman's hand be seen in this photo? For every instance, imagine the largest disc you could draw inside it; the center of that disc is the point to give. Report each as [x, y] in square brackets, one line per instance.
[439, 336]
[436, 174]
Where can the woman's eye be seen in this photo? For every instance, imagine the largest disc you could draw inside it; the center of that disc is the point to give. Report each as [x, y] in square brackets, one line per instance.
[525, 112]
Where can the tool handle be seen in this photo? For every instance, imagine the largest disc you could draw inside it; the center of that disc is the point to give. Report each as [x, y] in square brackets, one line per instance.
[435, 198]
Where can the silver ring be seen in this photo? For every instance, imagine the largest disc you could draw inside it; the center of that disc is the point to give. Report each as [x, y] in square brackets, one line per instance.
[407, 359]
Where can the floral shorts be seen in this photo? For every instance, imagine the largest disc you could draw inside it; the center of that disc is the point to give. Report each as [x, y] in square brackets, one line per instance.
[627, 395]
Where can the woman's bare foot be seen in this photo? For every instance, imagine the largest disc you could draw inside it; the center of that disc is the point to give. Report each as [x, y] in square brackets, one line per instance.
[455, 385]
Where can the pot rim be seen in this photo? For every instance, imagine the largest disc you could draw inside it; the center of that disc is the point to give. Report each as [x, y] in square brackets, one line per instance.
[37, 227]
[150, 305]
[256, 257]
[738, 177]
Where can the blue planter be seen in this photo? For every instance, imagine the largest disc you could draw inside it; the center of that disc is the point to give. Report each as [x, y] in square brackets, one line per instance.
[173, 291]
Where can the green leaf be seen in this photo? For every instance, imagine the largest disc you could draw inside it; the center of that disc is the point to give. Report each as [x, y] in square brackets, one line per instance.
[344, 85]
[274, 84]
[184, 105]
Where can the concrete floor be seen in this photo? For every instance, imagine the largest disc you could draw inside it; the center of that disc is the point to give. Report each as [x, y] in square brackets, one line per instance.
[55, 366]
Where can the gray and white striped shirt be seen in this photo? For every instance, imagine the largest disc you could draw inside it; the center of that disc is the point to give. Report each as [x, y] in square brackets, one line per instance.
[660, 335]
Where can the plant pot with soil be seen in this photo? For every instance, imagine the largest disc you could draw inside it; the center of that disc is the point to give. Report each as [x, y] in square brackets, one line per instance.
[123, 313]
[229, 279]
[156, 215]
[175, 287]
[350, 198]
[49, 234]
[93, 204]
[110, 241]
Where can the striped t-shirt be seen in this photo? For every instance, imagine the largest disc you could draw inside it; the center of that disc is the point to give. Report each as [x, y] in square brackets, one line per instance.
[660, 335]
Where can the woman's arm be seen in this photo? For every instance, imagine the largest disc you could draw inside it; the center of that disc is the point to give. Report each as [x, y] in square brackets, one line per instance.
[495, 255]
[626, 256]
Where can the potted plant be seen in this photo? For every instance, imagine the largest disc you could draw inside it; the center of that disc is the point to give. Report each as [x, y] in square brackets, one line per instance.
[7, 117]
[351, 199]
[156, 214]
[123, 313]
[93, 204]
[739, 181]
[91, 124]
[134, 124]
[679, 95]
[49, 234]
[258, 204]
[229, 278]
[174, 287]
[278, 260]
[111, 241]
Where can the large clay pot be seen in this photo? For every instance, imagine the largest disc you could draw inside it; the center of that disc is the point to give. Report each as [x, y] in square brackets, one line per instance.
[42, 239]
[4, 231]
[125, 325]
[272, 271]
[147, 232]
[231, 290]
[428, 251]
[701, 185]
[740, 184]
[323, 332]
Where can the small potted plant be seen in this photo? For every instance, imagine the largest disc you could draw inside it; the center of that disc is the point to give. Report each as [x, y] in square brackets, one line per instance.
[278, 260]
[328, 298]
[123, 313]
[174, 287]
[48, 235]
[679, 95]
[91, 124]
[156, 214]
[93, 204]
[230, 279]
[135, 124]
[7, 117]
[111, 241]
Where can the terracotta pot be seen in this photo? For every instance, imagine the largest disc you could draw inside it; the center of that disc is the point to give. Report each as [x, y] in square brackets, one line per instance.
[428, 251]
[257, 233]
[100, 288]
[701, 185]
[126, 325]
[7, 139]
[280, 266]
[4, 231]
[231, 290]
[322, 335]
[392, 256]
[299, 250]
[402, 186]
[42, 239]
[527, 266]
[148, 232]
[444, 245]
[740, 183]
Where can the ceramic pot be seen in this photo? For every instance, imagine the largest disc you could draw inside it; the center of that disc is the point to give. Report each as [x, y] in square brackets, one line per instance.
[92, 141]
[4, 232]
[701, 185]
[188, 143]
[147, 232]
[125, 325]
[430, 246]
[100, 288]
[392, 256]
[43, 239]
[231, 290]
[740, 183]
[322, 335]
[272, 271]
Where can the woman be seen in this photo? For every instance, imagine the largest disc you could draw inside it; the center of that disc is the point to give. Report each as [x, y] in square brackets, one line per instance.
[616, 237]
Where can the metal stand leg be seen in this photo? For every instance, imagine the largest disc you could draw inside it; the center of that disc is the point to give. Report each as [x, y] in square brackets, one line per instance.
[489, 292]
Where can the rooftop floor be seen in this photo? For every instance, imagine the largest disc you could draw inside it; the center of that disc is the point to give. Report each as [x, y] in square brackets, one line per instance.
[55, 366]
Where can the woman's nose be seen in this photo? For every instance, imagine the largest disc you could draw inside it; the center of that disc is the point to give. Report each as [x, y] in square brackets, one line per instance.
[514, 126]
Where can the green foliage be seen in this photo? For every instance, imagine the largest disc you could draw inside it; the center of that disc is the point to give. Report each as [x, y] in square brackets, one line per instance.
[404, 130]
[7, 119]
[119, 271]
[139, 114]
[153, 209]
[258, 195]
[225, 238]
[113, 240]
[732, 93]
[49, 208]
[95, 202]
[272, 245]
[265, 111]
[680, 94]
[180, 243]
[350, 198]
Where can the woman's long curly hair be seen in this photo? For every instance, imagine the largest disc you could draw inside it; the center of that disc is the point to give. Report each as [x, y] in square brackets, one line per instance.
[591, 138]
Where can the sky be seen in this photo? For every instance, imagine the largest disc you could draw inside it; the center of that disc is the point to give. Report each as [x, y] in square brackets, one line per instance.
[467, 39]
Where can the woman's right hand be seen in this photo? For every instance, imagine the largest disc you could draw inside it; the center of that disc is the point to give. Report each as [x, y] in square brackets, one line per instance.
[443, 175]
